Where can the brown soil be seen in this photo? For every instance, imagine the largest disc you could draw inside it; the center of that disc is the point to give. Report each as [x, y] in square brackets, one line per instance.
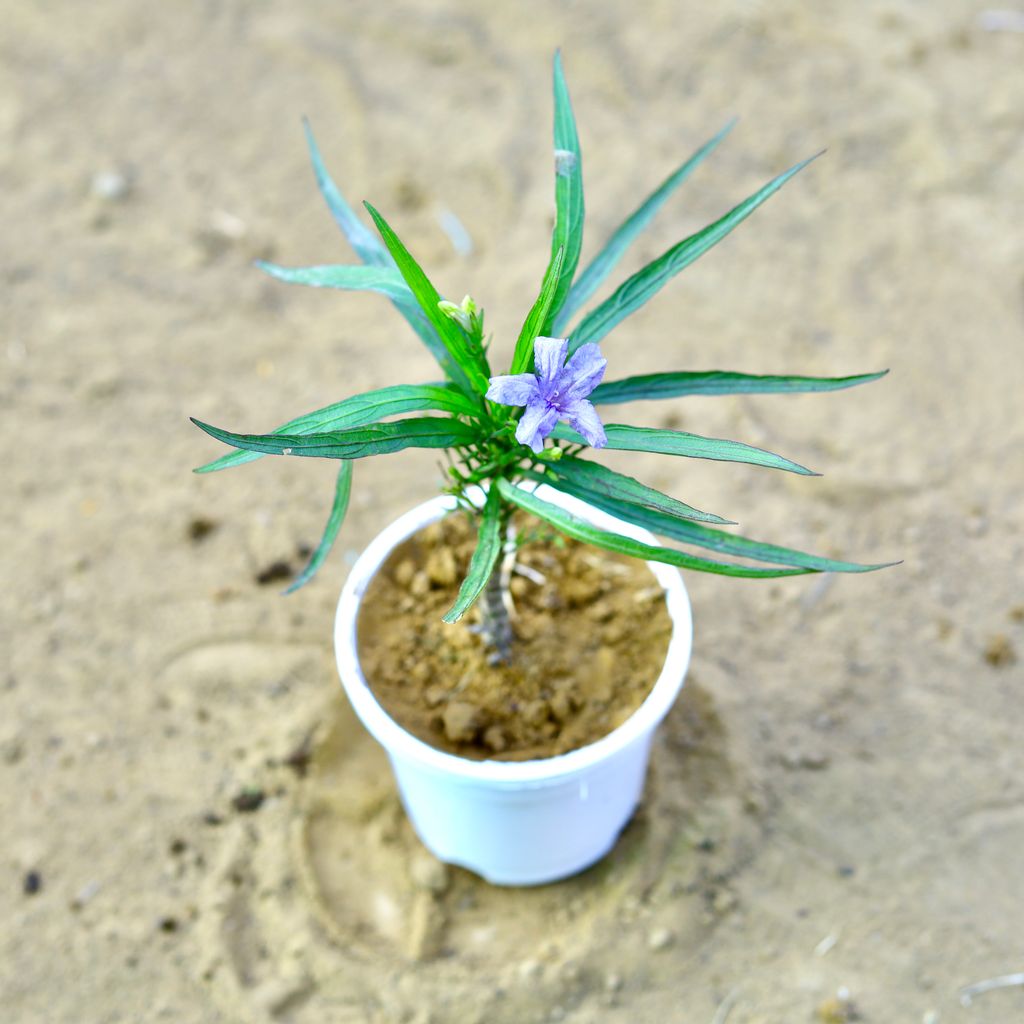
[591, 630]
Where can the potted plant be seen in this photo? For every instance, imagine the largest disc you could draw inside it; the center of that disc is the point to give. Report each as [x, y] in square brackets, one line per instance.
[519, 453]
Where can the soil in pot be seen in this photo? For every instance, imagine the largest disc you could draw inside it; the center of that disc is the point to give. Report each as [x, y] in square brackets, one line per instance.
[591, 630]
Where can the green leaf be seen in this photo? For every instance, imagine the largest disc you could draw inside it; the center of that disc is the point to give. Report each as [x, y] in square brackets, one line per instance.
[355, 442]
[522, 358]
[465, 364]
[485, 557]
[362, 409]
[580, 530]
[384, 280]
[704, 537]
[717, 382]
[590, 280]
[366, 246]
[593, 478]
[678, 442]
[568, 233]
[645, 283]
[339, 507]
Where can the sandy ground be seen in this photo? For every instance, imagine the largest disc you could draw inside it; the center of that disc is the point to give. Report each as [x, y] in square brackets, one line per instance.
[838, 800]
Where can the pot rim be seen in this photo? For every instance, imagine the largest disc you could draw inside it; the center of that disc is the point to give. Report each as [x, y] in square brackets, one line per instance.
[398, 742]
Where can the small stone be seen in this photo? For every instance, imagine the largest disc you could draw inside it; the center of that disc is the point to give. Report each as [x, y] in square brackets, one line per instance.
[32, 883]
[433, 695]
[839, 1009]
[420, 584]
[200, 528]
[441, 568]
[612, 982]
[601, 611]
[659, 939]
[248, 800]
[999, 651]
[529, 970]
[536, 712]
[404, 572]
[495, 739]
[429, 874]
[111, 185]
[462, 721]
[797, 759]
[561, 706]
[723, 901]
[85, 895]
[425, 927]
[580, 590]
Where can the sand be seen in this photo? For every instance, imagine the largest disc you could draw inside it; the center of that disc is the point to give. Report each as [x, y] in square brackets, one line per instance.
[195, 829]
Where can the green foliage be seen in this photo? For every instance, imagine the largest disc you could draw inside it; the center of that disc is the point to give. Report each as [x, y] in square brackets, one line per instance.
[485, 556]
[568, 234]
[605, 261]
[479, 436]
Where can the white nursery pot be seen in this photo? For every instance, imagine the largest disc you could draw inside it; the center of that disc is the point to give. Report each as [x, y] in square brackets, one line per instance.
[516, 822]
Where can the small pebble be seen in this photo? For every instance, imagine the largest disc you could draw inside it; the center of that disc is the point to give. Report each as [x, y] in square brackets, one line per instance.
[723, 901]
[429, 874]
[529, 970]
[796, 759]
[659, 939]
[32, 883]
[462, 721]
[85, 895]
[441, 568]
[248, 800]
[999, 651]
[111, 185]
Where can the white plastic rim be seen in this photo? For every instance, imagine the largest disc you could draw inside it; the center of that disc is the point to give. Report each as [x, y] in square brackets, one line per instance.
[516, 822]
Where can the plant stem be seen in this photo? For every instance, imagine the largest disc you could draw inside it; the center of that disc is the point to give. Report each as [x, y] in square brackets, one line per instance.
[496, 606]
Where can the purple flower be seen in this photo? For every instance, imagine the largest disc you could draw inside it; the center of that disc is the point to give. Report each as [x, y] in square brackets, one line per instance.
[556, 392]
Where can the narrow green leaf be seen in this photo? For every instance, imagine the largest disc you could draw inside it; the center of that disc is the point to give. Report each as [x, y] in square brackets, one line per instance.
[688, 532]
[466, 364]
[590, 280]
[384, 280]
[645, 283]
[362, 409]
[678, 442]
[522, 358]
[579, 530]
[355, 442]
[362, 240]
[717, 382]
[593, 478]
[339, 507]
[485, 557]
[568, 233]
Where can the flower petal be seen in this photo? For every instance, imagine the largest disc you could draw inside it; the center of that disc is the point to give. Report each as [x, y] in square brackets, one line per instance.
[536, 423]
[515, 389]
[584, 371]
[548, 356]
[583, 418]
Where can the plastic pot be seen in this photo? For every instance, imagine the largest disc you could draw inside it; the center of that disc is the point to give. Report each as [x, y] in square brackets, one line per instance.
[522, 822]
